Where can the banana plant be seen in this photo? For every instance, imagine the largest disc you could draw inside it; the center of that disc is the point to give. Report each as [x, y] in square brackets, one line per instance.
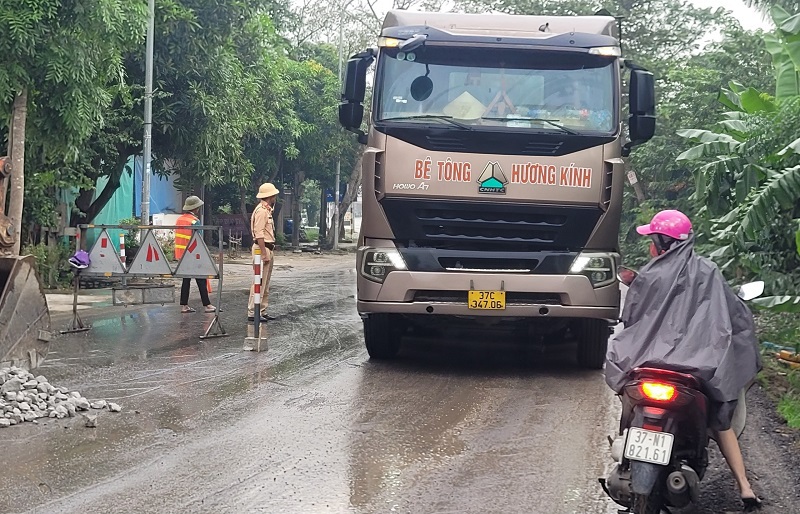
[784, 46]
[747, 178]
[778, 303]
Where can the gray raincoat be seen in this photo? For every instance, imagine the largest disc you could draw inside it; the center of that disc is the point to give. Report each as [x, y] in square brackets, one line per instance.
[681, 315]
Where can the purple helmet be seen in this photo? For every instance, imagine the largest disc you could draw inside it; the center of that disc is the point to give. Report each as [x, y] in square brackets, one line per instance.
[671, 223]
[80, 260]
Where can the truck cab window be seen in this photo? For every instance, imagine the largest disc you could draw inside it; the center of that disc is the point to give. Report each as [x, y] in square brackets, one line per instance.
[500, 88]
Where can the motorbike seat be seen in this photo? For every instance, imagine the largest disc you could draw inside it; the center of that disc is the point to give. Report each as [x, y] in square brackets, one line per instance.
[684, 379]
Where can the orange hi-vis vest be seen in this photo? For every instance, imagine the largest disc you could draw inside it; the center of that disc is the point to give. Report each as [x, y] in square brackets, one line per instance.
[182, 235]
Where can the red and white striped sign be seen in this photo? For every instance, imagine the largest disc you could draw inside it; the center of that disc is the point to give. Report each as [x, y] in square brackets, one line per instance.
[150, 259]
[103, 257]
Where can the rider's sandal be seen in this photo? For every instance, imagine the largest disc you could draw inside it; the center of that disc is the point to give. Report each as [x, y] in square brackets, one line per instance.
[187, 310]
[751, 504]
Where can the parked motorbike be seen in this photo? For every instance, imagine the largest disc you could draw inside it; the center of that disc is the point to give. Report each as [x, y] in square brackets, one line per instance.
[661, 452]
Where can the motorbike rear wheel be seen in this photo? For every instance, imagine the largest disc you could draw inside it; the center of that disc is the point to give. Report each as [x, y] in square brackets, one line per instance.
[647, 503]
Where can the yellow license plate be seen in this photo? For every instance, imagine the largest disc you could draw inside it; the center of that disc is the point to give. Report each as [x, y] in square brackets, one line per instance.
[487, 300]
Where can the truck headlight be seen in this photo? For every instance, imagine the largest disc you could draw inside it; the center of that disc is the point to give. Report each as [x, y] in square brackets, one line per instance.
[597, 267]
[379, 262]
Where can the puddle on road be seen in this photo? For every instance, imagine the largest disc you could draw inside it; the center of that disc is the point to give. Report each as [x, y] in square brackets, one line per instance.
[152, 357]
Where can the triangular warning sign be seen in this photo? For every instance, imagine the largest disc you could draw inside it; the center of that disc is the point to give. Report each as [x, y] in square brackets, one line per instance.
[196, 261]
[150, 259]
[103, 258]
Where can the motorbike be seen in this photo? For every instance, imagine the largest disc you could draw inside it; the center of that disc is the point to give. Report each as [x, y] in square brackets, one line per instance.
[661, 451]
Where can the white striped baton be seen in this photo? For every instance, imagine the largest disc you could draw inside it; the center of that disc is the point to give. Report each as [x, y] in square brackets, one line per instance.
[257, 276]
[122, 249]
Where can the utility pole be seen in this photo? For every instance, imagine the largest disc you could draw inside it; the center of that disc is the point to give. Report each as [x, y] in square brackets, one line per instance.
[339, 160]
[148, 113]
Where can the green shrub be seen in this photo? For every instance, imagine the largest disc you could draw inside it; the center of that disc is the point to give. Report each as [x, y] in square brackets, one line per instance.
[52, 263]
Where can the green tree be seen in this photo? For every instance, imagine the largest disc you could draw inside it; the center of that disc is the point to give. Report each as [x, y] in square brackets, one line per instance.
[688, 92]
[766, 5]
[748, 176]
[64, 61]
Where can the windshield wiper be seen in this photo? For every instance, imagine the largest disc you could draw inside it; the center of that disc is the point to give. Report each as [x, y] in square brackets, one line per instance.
[552, 123]
[442, 117]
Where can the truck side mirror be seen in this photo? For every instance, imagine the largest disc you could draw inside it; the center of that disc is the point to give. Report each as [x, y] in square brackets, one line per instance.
[355, 79]
[351, 115]
[354, 88]
[642, 97]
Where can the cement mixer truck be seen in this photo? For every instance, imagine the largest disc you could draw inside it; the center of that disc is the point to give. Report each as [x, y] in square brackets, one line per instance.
[24, 317]
[493, 176]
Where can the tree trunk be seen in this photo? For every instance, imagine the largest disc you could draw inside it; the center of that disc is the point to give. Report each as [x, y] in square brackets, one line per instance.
[89, 209]
[278, 168]
[323, 217]
[349, 197]
[246, 235]
[299, 178]
[19, 113]
[637, 185]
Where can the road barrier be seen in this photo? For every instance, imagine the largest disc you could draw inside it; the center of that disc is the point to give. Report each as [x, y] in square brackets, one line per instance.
[150, 262]
[254, 343]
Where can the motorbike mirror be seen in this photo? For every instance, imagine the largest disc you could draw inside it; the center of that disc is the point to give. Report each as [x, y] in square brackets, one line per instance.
[626, 275]
[751, 290]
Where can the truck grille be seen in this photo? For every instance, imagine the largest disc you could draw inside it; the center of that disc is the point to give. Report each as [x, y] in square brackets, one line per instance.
[488, 264]
[485, 226]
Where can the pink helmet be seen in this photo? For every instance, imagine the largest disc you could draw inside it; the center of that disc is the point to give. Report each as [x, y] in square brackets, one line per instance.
[674, 224]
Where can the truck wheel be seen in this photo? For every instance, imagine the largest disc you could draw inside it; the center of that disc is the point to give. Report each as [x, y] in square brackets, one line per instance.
[592, 343]
[382, 333]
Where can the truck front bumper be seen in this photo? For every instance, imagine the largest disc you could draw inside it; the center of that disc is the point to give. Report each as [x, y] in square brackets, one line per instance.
[527, 296]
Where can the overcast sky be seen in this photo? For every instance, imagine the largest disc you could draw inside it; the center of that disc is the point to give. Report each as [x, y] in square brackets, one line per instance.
[750, 18]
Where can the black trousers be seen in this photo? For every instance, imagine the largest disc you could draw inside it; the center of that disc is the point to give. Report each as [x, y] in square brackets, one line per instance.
[202, 285]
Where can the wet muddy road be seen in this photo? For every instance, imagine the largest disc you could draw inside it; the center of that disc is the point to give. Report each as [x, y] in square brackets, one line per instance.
[312, 425]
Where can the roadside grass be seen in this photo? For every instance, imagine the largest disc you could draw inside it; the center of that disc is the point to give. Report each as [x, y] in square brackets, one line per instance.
[781, 382]
[789, 404]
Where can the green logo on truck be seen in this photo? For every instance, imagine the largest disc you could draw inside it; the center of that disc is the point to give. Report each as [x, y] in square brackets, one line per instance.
[492, 180]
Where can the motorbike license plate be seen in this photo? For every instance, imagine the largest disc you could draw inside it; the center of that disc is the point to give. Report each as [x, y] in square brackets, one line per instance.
[649, 446]
[487, 300]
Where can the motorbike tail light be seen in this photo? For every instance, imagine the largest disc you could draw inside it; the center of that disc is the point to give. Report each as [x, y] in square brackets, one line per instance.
[658, 391]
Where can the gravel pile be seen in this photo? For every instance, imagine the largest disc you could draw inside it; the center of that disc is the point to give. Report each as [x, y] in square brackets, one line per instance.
[24, 397]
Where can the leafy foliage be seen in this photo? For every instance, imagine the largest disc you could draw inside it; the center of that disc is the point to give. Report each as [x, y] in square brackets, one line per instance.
[748, 177]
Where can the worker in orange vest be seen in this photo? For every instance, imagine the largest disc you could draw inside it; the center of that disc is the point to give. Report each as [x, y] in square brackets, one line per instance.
[189, 217]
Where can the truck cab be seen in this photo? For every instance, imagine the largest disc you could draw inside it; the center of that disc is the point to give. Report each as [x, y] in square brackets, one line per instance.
[493, 174]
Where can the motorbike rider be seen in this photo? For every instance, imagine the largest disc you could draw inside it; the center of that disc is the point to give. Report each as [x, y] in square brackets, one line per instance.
[675, 285]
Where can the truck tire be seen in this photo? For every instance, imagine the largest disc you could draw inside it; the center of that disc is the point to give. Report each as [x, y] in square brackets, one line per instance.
[592, 343]
[382, 333]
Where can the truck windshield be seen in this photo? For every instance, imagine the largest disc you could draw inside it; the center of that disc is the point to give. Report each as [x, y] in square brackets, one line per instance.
[546, 91]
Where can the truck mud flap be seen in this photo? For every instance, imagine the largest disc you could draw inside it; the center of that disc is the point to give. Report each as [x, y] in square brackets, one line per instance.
[24, 316]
